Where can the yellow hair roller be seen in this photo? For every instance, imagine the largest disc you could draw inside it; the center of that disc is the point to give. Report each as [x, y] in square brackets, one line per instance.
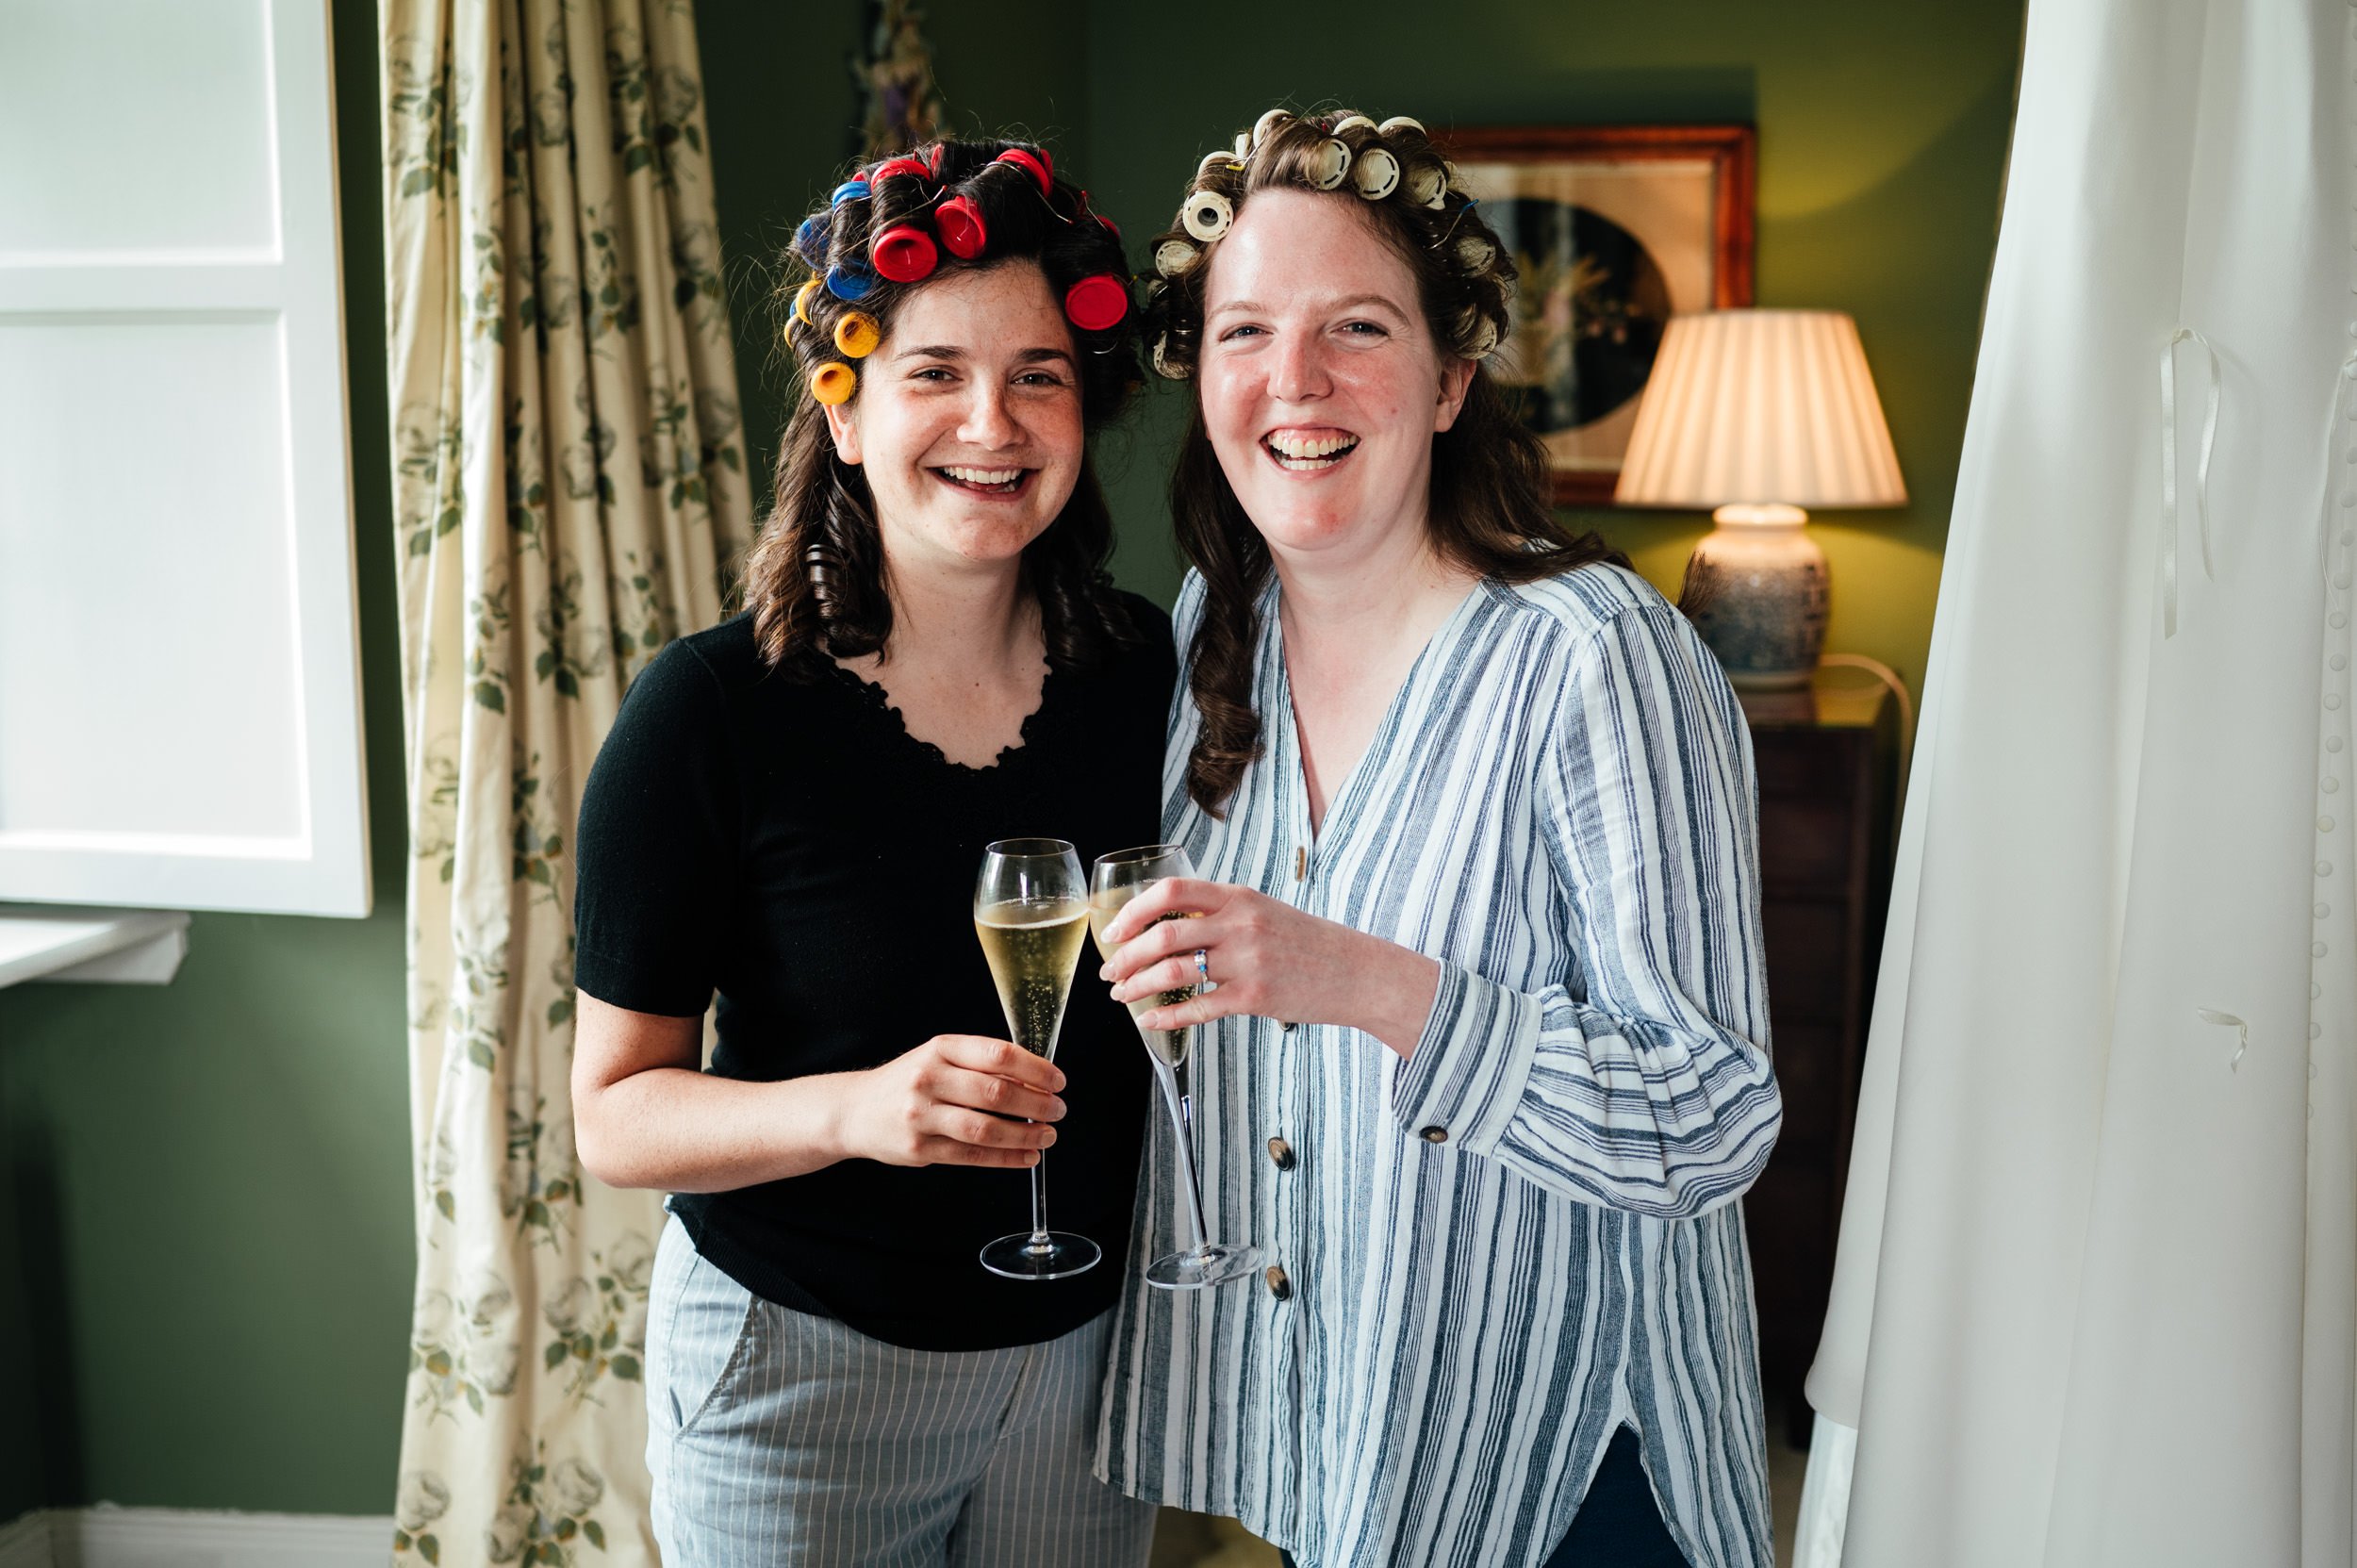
[834, 382]
[857, 335]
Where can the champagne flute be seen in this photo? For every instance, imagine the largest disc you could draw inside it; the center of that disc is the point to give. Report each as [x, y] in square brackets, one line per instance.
[1117, 879]
[1030, 910]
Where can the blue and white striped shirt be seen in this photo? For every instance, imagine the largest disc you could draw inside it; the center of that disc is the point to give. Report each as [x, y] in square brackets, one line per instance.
[1526, 1235]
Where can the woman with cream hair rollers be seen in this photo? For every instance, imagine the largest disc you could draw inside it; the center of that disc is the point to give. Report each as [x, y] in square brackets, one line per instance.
[1484, 1064]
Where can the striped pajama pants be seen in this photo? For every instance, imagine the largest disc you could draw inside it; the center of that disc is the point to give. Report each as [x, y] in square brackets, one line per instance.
[777, 1438]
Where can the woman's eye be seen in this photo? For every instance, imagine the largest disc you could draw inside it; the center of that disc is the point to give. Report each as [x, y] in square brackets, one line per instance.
[931, 373]
[1364, 329]
[1039, 378]
[1235, 332]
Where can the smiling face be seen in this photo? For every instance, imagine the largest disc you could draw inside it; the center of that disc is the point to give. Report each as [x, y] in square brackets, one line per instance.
[967, 421]
[1322, 388]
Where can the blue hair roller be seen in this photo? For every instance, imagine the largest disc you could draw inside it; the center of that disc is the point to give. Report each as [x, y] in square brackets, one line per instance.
[810, 238]
[848, 191]
[847, 283]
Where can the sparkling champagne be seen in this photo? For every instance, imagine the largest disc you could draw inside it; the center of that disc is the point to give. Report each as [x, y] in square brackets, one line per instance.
[1033, 944]
[1168, 1045]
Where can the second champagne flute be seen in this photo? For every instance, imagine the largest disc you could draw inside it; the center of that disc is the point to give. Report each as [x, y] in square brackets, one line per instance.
[1116, 879]
[1031, 911]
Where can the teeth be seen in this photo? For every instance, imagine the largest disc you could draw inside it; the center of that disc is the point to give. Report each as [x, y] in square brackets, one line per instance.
[1287, 445]
[984, 476]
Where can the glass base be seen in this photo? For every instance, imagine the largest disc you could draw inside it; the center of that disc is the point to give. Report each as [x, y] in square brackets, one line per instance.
[1216, 1263]
[1061, 1255]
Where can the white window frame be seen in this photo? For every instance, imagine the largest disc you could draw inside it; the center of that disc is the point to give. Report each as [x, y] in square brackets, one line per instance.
[319, 863]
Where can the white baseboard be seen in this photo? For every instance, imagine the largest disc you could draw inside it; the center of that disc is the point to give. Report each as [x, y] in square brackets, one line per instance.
[24, 1542]
[108, 1537]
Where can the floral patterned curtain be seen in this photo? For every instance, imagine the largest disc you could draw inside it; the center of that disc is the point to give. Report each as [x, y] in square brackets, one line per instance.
[570, 488]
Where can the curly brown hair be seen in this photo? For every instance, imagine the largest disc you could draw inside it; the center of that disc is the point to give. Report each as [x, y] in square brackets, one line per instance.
[1488, 511]
[815, 579]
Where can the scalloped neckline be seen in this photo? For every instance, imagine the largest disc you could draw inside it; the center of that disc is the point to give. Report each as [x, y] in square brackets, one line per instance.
[879, 702]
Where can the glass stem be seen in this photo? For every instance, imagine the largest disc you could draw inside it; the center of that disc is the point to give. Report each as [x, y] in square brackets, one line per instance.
[1040, 1244]
[1181, 1119]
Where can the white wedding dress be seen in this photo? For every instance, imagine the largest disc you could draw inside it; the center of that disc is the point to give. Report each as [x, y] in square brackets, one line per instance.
[2098, 1282]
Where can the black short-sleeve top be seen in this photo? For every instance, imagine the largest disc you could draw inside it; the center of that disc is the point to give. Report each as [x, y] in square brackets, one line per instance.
[788, 845]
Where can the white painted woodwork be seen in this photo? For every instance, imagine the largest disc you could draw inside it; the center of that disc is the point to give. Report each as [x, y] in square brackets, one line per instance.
[179, 698]
[125, 947]
[110, 1537]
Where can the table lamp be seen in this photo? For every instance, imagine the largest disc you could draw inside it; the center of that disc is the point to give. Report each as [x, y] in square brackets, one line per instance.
[1759, 414]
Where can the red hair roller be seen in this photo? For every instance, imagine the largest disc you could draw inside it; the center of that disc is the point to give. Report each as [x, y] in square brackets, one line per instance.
[1038, 164]
[893, 167]
[1096, 303]
[933, 158]
[963, 232]
[903, 253]
[1087, 212]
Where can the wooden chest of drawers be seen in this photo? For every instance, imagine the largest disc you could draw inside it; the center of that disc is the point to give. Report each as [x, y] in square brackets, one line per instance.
[1826, 786]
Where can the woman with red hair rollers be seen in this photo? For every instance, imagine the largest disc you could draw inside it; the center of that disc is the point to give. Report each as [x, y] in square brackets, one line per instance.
[789, 812]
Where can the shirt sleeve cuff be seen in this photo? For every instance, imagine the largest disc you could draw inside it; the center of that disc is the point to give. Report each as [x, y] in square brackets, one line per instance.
[1466, 1078]
[634, 988]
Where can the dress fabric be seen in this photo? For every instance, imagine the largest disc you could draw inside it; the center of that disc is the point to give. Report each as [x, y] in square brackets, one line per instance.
[2096, 1299]
[1500, 1251]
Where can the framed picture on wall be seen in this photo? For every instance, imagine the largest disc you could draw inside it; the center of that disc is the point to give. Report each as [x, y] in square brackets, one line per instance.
[1614, 229]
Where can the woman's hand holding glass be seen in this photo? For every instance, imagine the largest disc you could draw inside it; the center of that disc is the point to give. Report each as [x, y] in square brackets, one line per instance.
[1120, 879]
[1031, 912]
[1265, 958]
[947, 1103]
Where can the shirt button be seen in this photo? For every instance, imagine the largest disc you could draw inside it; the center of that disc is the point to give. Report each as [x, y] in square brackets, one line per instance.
[1434, 1134]
[1281, 1152]
[1284, 1026]
[1278, 1286]
[1301, 862]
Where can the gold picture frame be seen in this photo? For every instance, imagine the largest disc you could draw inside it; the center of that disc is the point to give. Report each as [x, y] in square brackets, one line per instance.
[1614, 229]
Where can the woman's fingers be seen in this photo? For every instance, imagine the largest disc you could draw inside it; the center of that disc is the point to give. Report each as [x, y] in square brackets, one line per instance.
[988, 1094]
[959, 1099]
[948, 1151]
[1202, 1008]
[1140, 912]
[1170, 974]
[1167, 937]
[1001, 1059]
[1171, 896]
[1000, 1097]
[980, 1129]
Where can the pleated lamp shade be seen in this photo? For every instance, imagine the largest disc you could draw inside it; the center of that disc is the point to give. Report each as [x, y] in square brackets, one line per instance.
[1761, 407]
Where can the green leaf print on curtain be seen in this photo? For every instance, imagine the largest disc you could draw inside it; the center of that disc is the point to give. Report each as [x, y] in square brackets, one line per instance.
[570, 491]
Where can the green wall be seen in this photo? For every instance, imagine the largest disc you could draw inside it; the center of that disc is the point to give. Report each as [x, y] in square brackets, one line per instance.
[205, 1240]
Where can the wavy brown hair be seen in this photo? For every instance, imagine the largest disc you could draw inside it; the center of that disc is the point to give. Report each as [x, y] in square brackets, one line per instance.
[1488, 510]
[815, 579]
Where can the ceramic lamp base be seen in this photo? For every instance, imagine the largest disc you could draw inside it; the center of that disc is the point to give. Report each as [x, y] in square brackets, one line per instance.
[1759, 585]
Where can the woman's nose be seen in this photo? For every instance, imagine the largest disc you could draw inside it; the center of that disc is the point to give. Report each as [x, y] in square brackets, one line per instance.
[1299, 374]
[988, 420]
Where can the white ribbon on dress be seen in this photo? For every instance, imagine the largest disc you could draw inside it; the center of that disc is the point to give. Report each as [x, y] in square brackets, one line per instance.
[2340, 494]
[2169, 470]
[2242, 1033]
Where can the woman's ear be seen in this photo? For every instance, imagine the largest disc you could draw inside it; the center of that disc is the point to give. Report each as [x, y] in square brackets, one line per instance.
[844, 426]
[1456, 373]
